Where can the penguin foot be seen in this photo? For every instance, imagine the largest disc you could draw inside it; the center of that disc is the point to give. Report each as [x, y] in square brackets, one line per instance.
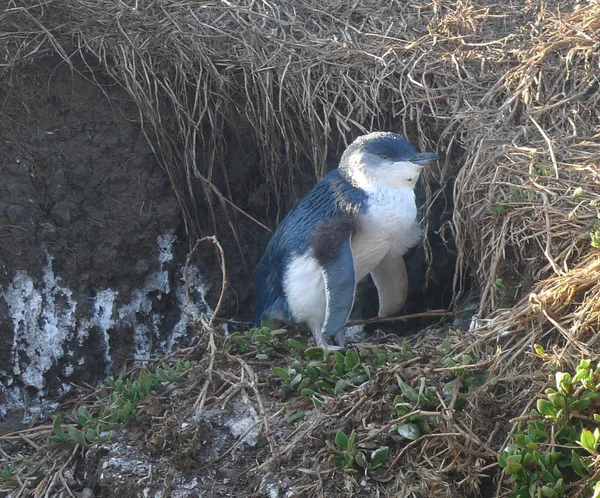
[330, 347]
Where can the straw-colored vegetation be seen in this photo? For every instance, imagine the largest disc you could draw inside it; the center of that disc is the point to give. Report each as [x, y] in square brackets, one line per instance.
[507, 93]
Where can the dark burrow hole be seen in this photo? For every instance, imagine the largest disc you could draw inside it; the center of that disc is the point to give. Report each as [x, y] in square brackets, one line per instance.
[431, 278]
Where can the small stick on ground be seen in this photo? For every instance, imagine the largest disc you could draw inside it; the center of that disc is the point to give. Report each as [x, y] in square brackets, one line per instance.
[209, 328]
[263, 412]
[403, 318]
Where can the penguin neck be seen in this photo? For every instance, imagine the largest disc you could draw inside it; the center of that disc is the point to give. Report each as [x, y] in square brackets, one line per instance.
[375, 186]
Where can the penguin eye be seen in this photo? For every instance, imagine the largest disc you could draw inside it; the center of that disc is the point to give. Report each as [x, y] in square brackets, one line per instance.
[383, 155]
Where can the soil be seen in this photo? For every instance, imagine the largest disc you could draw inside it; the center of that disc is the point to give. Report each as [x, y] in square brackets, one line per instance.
[81, 192]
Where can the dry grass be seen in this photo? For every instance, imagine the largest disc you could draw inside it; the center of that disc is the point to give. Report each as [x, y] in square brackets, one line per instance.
[301, 77]
[529, 155]
[506, 92]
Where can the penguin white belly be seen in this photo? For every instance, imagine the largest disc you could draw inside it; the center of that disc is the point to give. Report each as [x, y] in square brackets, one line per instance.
[388, 225]
[304, 288]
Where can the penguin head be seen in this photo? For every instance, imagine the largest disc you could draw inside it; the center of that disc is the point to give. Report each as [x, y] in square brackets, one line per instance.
[384, 159]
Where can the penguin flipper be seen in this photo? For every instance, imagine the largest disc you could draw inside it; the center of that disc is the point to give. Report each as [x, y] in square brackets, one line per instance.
[392, 284]
[340, 286]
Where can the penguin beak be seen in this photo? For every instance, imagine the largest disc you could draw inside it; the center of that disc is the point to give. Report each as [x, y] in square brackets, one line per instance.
[423, 158]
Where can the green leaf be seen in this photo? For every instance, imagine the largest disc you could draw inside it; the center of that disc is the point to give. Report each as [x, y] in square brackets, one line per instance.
[580, 405]
[91, 435]
[563, 382]
[382, 477]
[557, 473]
[361, 459]
[557, 399]
[57, 429]
[281, 373]
[448, 388]
[409, 431]
[446, 346]
[546, 408]
[460, 403]
[408, 391]
[145, 382]
[293, 344]
[311, 371]
[423, 426]
[352, 440]
[341, 439]
[539, 349]
[379, 456]
[77, 436]
[587, 441]
[596, 490]
[351, 360]
[367, 371]
[296, 380]
[578, 464]
[306, 381]
[403, 408]
[584, 364]
[338, 368]
[368, 445]
[360, 378]
[499, 285]
[314, 353]
[340, 385]
[6, 472]
[297, 415]
[581, 374]
[307, 392]
[597, 417]
[513, 468]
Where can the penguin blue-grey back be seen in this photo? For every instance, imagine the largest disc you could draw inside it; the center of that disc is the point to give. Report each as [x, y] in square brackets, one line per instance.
[360, 219]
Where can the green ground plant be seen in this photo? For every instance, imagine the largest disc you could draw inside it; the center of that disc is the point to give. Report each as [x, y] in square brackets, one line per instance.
[312, 375]
[409, 401]
[366, 459]
[91, 425]
[595, 234]
[557, 449]
[515, 195]
[314, 372]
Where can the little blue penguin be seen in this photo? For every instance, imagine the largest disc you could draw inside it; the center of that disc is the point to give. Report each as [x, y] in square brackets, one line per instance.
[360, 219]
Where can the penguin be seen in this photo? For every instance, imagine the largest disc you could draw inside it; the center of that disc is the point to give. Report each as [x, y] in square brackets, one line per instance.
[360, 219]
